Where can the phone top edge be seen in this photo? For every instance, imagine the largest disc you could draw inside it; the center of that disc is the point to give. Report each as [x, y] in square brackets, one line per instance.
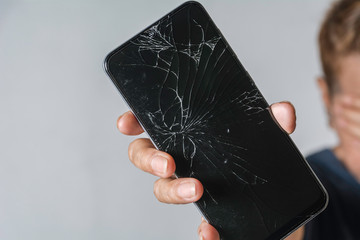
[174, 11]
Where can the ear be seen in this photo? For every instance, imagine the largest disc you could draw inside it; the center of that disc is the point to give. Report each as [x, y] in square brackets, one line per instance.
[325, 92]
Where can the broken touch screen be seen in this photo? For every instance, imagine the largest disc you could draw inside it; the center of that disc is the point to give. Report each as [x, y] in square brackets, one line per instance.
[196, 101]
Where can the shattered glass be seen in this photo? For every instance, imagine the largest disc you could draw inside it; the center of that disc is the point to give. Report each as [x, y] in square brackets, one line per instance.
[197, 102]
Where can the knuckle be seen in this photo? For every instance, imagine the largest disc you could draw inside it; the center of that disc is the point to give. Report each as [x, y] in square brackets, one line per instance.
[131, 148]
[138, 151]
[157, 190]
[164, 191]
[172, 195]
[169, 197]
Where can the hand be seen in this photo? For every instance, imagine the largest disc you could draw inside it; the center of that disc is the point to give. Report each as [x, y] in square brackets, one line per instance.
[347, 116]
[167, 189]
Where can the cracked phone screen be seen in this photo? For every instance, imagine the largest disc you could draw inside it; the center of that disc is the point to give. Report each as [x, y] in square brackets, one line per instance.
[196, 102]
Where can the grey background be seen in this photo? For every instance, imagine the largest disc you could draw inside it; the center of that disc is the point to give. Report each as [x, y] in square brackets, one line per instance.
[64, 171]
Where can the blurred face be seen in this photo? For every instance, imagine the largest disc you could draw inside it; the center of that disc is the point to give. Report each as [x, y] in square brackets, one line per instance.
[344, 106]
[349, 75]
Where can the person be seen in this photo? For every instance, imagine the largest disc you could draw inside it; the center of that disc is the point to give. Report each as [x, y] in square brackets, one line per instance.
[337, 168]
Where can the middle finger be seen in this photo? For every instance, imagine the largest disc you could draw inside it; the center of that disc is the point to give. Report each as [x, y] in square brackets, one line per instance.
[143, 155]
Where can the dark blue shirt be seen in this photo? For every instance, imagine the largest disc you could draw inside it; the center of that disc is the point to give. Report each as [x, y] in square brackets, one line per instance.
[341, 219]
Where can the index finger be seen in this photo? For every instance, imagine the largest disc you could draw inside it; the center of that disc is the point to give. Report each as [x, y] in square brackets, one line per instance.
[129, 125]
[284, 113]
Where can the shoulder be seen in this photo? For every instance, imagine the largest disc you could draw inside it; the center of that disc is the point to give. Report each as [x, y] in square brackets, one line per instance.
[338, 220]
[320, 156]
[328, 168]
[323, 160]
[331, 172]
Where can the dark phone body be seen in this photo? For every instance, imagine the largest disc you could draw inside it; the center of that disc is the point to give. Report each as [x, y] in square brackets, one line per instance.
[196, 101]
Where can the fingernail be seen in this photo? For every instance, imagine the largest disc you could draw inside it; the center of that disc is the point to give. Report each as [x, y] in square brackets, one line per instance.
[159, 164]
[186, 190]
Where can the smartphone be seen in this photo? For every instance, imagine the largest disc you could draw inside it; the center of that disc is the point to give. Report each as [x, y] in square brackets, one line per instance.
[196, 101]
